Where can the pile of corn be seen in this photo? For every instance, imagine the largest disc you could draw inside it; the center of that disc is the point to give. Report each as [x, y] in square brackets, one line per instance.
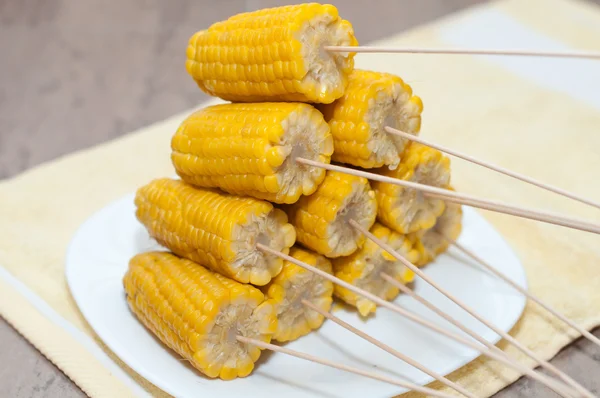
[242, 182]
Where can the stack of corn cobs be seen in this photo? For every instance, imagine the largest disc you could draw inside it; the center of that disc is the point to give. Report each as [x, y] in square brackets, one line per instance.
[241, 184]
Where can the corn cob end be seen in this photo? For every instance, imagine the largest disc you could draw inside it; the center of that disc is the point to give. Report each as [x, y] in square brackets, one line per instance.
[408, 210]
[275, 54]
[431, 242]
[198, 313]
[359, 206]
[372, 101]
[294, 285]
[364, 268]
[214, 229]
[251, 265]
[251, 149]
[327, 72]
[322, 219]
[306, 135]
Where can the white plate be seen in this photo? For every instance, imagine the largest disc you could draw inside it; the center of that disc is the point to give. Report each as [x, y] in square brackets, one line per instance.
[100, 250]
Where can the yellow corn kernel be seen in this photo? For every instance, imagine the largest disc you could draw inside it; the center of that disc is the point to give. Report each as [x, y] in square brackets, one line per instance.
[408, 210]
[217, 230]
[295, 284]
[432, 242]
[198, 313]
[364, 267]
[321, 219]
[250, 149]
[275, 54]
[372, 101]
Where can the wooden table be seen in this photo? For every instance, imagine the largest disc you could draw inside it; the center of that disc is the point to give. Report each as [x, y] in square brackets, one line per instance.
[77, 73]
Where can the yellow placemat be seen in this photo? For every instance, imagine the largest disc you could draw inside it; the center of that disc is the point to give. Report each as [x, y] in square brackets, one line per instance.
[540, 117]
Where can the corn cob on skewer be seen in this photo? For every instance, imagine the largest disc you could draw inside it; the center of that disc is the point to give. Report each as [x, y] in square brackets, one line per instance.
[214, 229]
[408, 210]
[250, 149]
[321, 219]
[372, 101]
[199, 313]
[274, 54]
[363, 269]
[294, 284]
[432, 242]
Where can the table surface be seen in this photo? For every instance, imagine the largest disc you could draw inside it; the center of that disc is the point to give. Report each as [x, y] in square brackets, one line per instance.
[77, 73]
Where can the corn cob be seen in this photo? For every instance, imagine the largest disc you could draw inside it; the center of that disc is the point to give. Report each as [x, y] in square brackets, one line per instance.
[250, 149]
[214, 229]
[199, 313]
[295, 284]
[372, 101]
[408, 210]
[274, 54]
[431, 242]
[321, 219]
[363, 269]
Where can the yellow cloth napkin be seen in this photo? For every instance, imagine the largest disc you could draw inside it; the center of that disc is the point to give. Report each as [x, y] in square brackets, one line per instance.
[538, 116]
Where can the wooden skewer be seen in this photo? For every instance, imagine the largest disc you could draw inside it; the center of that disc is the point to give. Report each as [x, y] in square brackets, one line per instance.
[523, 291]
[340, 366]
[552, 384]
[494, 167]
[406, 290]
[465, 199]
[449, 51]
[390, 350]
[545, 364]
[516, 211]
